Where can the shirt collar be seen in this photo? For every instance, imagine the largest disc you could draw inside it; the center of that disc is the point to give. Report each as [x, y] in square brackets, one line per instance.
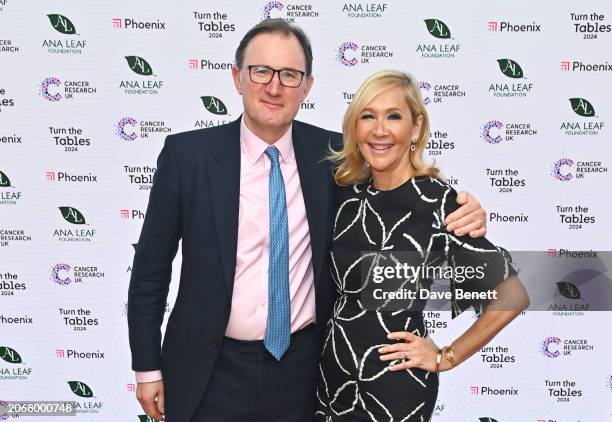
[254, 146]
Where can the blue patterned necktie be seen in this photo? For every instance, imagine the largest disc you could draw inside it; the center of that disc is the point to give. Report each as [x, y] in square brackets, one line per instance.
[278, 328]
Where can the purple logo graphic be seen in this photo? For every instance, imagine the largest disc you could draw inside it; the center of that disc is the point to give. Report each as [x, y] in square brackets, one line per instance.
[556, 169]
[486, 131]
[55, 275]
[546, 347]
[341, 56]
[269, 7]
[121, 133]
[44, 89]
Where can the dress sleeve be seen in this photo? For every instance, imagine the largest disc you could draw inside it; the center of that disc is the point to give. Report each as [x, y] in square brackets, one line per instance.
[478, 266]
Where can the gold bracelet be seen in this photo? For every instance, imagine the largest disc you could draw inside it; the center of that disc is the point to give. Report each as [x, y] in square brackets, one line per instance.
[449, 355]
[438, 359]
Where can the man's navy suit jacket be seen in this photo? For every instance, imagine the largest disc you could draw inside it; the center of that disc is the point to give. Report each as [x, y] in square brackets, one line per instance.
[194, 198]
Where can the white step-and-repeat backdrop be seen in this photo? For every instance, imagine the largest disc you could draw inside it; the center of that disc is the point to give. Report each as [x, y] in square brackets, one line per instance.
[519, 95]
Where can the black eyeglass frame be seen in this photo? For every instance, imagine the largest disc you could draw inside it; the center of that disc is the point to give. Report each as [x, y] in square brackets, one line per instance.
[274, 71]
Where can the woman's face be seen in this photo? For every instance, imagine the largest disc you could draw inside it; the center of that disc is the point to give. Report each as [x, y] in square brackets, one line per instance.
[384, 131]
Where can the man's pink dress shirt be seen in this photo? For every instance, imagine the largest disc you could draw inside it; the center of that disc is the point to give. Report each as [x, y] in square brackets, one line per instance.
[249, 309]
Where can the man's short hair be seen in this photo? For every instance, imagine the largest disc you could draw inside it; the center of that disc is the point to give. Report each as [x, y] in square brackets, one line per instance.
[276, 25]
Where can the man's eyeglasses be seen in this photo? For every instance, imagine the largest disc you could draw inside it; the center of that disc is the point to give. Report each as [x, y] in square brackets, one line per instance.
[260, 74]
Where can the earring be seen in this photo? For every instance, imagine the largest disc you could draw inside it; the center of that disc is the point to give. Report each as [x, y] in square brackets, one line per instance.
[412, 146]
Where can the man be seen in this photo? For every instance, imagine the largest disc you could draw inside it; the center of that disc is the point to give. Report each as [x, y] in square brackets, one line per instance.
[253, 202]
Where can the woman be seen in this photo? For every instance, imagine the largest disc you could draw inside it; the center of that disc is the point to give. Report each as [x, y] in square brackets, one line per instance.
[378, 362]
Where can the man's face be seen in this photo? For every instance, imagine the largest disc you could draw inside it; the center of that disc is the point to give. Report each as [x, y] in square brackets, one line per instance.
[272, 106]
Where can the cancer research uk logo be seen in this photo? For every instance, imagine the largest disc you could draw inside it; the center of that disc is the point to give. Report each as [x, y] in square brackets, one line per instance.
[216, 108]
[566, 169]
[444, 48]
[12, 366]
[53, 89]
[288, 11]
[87, 405]
[144, 86]
[495, 132]
[554, 347]
[63, 274]
[65, 45]
[588, 125]
[8, 194]
[512, 70]
[351, 54]
[73, 233]
[129, 129]
[438, 93]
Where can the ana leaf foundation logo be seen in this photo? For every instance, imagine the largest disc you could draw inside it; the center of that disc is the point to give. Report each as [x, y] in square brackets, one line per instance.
[437, 28]
[62, 24]
[568, 290]
[44, 89]
[72, 215]
[139, 65]
[341, 54]
[549, 349]
[557, 169]
[5, 182]
[510, 68]
[582, 107]
[121, 133]
[267, 9]
[9, 355]
[214, 105]
[80, 389]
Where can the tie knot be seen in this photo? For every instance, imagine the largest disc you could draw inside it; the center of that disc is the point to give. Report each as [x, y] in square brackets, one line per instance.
[272, 152]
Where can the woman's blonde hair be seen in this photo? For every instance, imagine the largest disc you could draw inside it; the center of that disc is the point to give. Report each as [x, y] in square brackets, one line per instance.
[350, 166]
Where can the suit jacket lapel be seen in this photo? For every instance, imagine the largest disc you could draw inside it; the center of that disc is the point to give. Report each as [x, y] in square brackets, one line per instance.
[224, 177]
[314, 179]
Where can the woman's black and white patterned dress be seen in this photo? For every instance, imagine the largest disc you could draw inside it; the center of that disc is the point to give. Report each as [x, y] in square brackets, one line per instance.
[370, 225]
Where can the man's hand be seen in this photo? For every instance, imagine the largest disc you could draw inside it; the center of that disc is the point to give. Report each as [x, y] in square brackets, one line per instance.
[151, 398]
[470, 217]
